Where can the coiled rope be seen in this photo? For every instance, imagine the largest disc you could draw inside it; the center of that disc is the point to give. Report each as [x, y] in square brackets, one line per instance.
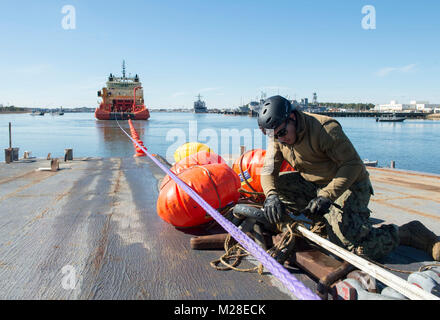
[236, 252]
[295, 286]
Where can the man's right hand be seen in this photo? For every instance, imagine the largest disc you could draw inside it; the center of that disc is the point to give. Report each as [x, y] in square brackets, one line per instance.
[319, 206]
[274, 209]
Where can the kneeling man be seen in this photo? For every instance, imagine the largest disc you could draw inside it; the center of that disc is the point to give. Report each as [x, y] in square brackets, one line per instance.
[330, 181]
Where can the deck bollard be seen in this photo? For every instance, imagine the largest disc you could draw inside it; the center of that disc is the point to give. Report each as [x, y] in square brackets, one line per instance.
[54, 165]
[8, 155]
[11, 154]
[10, 136]
[68, 154]
[15, 154]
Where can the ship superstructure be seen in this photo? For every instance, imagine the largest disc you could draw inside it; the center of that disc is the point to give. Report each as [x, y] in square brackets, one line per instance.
[122, 98]
[200, 106]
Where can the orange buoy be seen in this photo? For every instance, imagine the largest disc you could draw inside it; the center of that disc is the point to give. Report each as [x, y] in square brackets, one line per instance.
[216, 183]
[248, 167]
[199, 158]
[135, 136]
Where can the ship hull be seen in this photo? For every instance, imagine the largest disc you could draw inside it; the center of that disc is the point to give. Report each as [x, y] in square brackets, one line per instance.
[390, 119]
[200, 110]
[101, 114]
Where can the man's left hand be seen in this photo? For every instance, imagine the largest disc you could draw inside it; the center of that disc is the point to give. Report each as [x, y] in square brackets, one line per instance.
[319, 206]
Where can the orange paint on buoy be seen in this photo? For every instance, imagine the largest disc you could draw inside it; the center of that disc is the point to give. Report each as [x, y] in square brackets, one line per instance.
[195, 159]
[217, 184]
[199, 158]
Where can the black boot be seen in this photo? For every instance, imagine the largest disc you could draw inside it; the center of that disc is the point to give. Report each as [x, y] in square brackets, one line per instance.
[415, 234]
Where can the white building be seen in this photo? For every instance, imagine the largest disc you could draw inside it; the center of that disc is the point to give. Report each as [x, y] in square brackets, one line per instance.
[394, 106]
[421, 106]
[425, 106]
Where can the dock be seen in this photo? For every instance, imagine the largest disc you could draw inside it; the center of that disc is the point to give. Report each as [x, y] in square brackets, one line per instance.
[372, 114]
[97, 217]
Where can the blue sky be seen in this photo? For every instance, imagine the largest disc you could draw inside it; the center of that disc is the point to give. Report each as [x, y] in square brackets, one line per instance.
[228, 51]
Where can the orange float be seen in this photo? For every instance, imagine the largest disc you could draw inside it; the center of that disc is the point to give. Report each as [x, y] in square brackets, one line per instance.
[248, 167]
[135, 136]
[195, 159]
[217, 184]
[199, 158]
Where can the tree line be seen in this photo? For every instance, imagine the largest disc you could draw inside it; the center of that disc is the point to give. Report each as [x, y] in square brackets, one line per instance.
[11, 109]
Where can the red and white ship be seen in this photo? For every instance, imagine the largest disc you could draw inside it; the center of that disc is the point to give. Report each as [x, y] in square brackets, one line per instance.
[122, 98]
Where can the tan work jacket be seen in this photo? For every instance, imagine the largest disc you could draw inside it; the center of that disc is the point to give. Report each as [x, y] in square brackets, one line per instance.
[322, 154]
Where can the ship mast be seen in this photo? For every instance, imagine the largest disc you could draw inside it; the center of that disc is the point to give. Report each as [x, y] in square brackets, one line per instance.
[123, 69]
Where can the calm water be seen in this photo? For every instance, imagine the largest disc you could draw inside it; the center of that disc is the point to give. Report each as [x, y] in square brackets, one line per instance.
[413, 144]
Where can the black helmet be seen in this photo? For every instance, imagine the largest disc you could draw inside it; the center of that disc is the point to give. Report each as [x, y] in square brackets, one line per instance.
[274, 112]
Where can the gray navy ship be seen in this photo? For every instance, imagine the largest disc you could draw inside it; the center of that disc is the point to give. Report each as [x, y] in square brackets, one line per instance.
[200, 106]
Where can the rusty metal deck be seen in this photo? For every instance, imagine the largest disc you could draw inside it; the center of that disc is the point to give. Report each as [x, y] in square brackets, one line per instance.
[99, 216]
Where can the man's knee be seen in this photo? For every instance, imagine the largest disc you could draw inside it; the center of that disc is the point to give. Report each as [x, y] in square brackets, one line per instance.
[286, 179]
[292, 188]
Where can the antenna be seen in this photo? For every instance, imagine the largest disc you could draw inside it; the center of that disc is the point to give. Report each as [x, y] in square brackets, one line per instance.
[123, 69]
[315, 98]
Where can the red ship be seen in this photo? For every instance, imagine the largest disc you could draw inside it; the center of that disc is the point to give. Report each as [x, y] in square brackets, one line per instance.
[122, 99]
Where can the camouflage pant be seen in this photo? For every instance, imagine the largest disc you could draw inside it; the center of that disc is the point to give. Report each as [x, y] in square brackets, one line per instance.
[350, 227]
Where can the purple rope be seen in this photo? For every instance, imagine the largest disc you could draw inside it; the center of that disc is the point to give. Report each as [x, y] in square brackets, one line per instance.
[293, 284]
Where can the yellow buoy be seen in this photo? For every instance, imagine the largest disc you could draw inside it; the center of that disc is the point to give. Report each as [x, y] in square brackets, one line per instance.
[188, 149]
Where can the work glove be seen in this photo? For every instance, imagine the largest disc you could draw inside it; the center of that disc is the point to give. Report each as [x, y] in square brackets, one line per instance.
[319, 206]
[274, 209]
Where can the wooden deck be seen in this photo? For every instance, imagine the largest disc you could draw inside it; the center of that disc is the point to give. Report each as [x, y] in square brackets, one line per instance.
[99, 217]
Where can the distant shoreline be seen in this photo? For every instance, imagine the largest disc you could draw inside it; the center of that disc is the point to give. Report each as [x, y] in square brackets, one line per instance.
[29, 112]
[433, 116]
[8, 112]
